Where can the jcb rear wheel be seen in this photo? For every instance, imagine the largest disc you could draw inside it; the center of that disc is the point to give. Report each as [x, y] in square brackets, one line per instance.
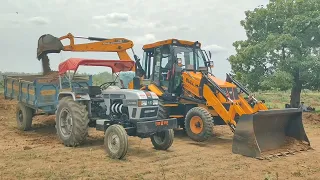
[198, 124]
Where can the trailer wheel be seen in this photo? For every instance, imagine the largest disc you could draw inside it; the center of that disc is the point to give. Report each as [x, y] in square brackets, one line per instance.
[116, 141]
[71, 122]
[162, 140]
[198, 124]
[23, 117]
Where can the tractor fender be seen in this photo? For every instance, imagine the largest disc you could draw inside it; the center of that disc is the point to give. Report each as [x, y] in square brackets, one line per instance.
[66, 94]
[82, 97]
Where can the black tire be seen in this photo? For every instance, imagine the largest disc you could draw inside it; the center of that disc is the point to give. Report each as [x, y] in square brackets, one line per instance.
[79, 129]
[203, 118]
[162, 140]
[112, 132]
[23, 117]
[163, 111]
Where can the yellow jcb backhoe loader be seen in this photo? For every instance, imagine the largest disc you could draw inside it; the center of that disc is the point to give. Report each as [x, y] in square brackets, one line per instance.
[178, 71]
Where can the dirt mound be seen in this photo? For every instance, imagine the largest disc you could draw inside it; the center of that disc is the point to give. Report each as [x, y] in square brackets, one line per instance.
[311, 118]
[7, 104]
[53, 75]
[290, 145]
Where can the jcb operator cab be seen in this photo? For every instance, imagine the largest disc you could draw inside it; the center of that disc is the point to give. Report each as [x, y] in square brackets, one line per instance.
[164, 61]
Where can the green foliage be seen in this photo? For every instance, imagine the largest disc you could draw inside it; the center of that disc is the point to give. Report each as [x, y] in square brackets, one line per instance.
[282, 49]
[280, 80]
[103, 77]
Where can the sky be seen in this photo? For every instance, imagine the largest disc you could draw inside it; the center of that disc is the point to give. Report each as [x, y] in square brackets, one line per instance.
[214, 23]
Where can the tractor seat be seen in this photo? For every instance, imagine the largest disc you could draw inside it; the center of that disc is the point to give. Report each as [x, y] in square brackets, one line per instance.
[94, 90]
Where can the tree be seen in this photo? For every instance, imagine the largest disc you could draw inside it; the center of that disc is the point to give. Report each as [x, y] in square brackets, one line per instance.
[283, 39]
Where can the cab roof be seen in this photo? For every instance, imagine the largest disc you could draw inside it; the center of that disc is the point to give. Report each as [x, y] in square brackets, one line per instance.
[170, 41]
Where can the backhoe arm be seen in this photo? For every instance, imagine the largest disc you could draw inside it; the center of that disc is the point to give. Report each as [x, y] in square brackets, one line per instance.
[50, 44]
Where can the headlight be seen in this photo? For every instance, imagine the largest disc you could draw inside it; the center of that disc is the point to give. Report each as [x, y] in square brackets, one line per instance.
[155, 102]
[143, 103]
[148, 103]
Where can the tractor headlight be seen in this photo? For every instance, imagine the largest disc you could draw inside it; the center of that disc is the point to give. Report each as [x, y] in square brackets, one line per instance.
[142, 103]
[155, 102]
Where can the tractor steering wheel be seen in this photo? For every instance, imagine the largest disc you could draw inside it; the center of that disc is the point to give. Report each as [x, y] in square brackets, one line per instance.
[107, 84]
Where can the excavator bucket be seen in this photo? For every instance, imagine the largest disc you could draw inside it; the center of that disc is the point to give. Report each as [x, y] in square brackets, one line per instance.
[48, 44]
[270, 132]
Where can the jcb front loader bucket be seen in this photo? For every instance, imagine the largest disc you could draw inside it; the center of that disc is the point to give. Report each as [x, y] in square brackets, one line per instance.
[269, 132]
[48, 44]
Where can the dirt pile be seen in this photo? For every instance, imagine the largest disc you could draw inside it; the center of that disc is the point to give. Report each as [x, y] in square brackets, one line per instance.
[311, 118]
[6, 104]
[53, 77]
[291, 145]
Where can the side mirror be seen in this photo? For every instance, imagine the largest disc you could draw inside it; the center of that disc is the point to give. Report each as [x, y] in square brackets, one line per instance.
[211, 63]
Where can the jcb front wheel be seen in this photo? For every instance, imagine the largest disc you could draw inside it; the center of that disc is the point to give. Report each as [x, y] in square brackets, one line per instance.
[198, 124]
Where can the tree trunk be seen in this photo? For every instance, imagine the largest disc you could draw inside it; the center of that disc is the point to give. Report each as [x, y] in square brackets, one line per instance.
[296, 91]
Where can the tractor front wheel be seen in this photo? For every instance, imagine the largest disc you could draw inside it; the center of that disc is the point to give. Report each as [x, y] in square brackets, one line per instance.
[116, 141]
[198, 124]
[162, 140]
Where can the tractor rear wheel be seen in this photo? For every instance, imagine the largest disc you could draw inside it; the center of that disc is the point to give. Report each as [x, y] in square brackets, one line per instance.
[116, 141]
[198, 124]
[24, 117]
[162, 140]
[71, 122]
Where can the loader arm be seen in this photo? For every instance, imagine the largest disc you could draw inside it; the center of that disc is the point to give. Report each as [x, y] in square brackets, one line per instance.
[258, 104]
[210, 91]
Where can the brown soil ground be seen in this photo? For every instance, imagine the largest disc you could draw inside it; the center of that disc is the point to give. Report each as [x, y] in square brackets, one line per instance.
[38, 154]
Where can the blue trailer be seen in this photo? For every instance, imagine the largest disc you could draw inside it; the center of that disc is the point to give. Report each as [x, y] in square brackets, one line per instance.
[37, 94]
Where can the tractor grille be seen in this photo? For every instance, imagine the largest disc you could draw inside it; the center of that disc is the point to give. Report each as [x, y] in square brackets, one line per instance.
[149, 112]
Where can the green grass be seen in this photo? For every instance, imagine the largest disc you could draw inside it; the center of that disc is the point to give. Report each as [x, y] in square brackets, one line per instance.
[278, 99]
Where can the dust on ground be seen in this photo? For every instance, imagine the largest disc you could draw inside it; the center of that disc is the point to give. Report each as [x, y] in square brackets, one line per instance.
[38, 154]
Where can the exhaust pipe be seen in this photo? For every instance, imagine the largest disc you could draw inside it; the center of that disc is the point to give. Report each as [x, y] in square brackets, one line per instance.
[48, 44]
[270, 132]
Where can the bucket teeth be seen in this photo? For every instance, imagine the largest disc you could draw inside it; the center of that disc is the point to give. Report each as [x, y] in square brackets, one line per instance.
[282, 154]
